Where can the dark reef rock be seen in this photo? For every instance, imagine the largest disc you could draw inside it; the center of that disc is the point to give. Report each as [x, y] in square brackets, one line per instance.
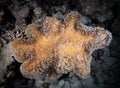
[97, 9]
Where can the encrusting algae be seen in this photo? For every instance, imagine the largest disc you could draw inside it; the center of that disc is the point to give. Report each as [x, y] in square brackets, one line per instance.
[64, 47]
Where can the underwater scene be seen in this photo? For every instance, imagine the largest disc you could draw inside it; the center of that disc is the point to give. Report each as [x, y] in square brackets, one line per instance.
[59, 43]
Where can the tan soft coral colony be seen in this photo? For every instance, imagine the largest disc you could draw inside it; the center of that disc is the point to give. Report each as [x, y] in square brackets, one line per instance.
[64, 47]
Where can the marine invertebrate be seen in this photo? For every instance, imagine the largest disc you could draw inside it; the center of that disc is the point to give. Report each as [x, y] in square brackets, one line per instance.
[64, 47]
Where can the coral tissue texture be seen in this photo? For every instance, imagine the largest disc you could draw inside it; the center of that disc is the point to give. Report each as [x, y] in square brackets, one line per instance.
[63, 47]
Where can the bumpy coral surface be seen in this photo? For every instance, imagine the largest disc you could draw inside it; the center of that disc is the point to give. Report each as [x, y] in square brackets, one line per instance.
[62, 48]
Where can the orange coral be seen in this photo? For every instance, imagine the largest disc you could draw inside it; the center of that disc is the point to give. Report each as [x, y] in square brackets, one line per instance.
[64, 47]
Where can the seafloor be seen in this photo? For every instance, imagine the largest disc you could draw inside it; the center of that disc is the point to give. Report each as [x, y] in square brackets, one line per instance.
[15, 15]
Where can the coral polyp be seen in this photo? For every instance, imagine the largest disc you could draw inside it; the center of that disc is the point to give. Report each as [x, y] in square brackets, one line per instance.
[64, 47]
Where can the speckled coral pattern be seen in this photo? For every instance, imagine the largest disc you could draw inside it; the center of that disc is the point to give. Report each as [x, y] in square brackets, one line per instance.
[64, 47]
